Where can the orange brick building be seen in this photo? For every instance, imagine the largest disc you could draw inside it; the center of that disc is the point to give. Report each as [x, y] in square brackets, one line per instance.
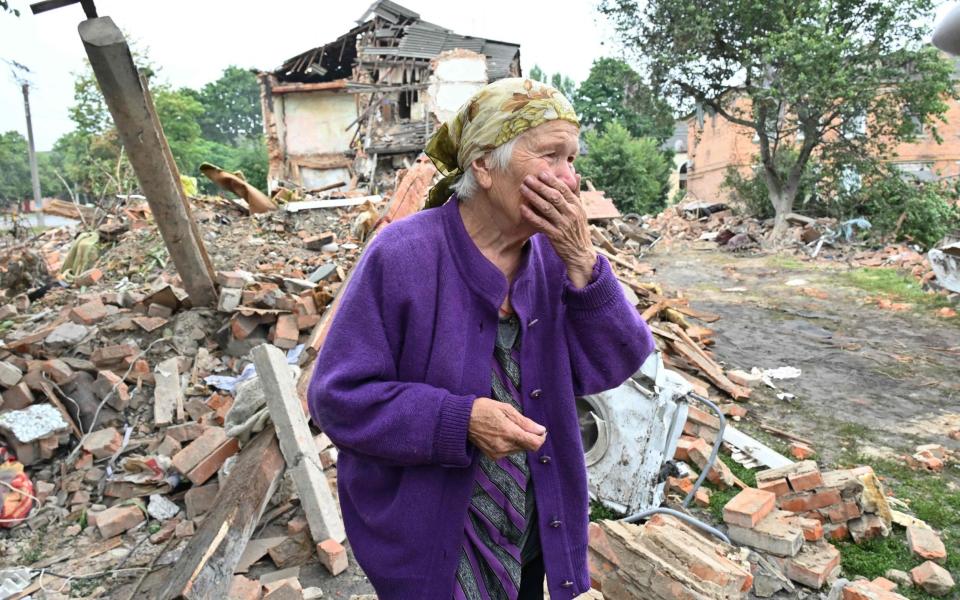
[714, 144]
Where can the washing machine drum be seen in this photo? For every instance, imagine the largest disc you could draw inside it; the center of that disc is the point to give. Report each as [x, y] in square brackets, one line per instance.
[628, 434]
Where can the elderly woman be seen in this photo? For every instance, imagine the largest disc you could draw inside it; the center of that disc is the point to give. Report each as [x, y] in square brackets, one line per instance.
[449, 374]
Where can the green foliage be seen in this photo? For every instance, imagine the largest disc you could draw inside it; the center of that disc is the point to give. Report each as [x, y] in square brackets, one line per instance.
[231, 107]
[853, 76]
[598, 512]
[633, 172]
[899, 287]
[615, 92]
[751, 189]
[926, 212]
[219, 124]
[5, 7]
[564, 84]
[537, 74]
[14, 168]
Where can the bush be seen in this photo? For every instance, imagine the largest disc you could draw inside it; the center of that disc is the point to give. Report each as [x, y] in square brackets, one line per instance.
[924, 207]
[751, 191]
[633, 172]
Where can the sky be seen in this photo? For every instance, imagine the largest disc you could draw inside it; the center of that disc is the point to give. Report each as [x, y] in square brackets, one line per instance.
[192, 42]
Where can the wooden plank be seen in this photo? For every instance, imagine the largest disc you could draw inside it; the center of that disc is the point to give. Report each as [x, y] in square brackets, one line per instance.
[148, 151]
[696, 314]
[692, 354]
[654, 309]
[641, 270]
[296, 442]
[205, 568]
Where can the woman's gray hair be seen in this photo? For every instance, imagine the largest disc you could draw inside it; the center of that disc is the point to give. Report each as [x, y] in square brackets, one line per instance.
[497, 159]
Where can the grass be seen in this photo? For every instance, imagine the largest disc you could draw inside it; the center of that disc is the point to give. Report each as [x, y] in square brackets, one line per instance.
[932, 499]
[599, 512]
[781, 261]
[894, 284]
[719, 498]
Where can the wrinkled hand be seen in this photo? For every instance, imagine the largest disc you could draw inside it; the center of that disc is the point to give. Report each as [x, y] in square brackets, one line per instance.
[498, 429]
[555, 210]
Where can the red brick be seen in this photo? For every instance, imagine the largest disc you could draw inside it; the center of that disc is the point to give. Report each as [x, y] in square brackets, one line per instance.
[778, 486]
[812, 528]
[242, 326]
[208, 467]
[926, 544]
[305, 322]
[112, 355]
[836, 532]
[18, 397]
[841, 513]
[185, 432]
[884, 584]
[867, 590]
[141, 372]
[106, 381]
[306, 305]
[801, 451]
[934, 579]
[683, 448]
[231, 279]
[867, 527]
[734, 410]
[220, 403]
[185, 529]
[816, 563]
[333, 556]
[288, 334]
[806, 478]
[316, 242]
[103, 443]
[88, 277]
[800, 502]
[117, 519]
[719, 474]
[159, 311]
[749, 507]
[703, 418]
[89, 313]
[57, 370]
[680, 486]
[296, 525]
[197, 450]
[242, 588]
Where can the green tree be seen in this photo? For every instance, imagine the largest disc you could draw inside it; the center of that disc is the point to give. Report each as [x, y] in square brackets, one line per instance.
[632, 171]
[615, 92]
[845, 79]
[14, 168]
[231, 107]
[564, 84]
[5, 7]
[537, 74]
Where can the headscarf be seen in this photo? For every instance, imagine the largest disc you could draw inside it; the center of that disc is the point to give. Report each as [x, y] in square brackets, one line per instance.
[497, 113]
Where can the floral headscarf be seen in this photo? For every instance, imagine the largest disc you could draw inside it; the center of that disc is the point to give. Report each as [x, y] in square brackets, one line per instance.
[496, 114]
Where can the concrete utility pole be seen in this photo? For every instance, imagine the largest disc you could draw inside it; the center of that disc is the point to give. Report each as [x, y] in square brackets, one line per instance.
[34, 174]
[142, 136]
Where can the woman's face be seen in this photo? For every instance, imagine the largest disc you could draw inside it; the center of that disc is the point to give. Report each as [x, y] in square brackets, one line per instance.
[550, 147]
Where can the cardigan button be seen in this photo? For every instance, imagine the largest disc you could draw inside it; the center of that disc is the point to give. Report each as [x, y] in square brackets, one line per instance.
[535, 393]
[567, 584]
[532, 322]
[555, 524]
[544, 460]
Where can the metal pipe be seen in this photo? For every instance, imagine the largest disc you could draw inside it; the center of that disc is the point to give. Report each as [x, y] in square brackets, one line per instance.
[683, 517]
[713, 454]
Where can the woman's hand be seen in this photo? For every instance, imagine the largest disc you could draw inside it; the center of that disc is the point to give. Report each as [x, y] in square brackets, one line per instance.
[498, 429]
[555, 210]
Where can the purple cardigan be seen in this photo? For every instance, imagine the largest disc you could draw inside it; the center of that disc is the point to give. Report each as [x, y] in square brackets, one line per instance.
[406, 355]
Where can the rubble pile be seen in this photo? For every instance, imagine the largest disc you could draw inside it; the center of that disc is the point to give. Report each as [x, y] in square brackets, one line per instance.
[117, 420]
[824, 238]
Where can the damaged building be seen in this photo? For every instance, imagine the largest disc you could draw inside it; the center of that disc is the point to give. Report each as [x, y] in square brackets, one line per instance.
[368, 101]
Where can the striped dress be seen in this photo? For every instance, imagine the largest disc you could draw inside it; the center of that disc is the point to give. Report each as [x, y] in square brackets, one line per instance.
[501, 524]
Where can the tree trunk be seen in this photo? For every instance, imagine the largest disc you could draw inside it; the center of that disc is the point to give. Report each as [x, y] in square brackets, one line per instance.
[782, 206]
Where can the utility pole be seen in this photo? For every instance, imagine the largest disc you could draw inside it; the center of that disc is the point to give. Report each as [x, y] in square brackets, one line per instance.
[34, 174]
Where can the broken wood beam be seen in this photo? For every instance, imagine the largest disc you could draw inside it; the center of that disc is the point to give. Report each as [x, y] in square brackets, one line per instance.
[149, 154]
[205, 568]
[296, 442]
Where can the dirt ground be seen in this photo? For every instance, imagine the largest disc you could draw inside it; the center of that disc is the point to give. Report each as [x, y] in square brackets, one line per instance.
[874, 380]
